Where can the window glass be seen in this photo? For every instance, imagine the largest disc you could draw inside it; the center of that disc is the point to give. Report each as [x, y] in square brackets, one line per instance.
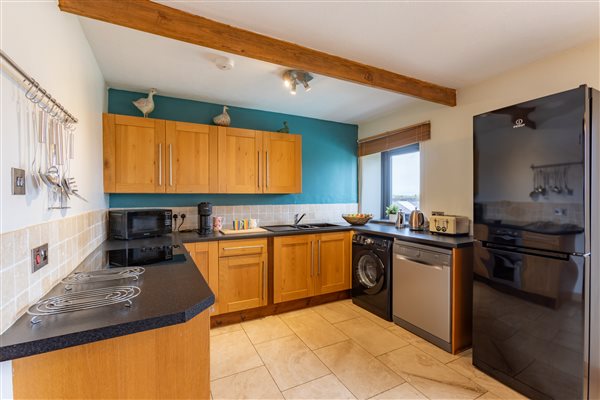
[405, 180]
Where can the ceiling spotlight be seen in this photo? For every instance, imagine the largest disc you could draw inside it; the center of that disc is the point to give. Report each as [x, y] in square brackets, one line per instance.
[293, 77]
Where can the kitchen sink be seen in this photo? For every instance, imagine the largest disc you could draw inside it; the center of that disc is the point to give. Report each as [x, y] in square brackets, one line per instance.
[299, 227]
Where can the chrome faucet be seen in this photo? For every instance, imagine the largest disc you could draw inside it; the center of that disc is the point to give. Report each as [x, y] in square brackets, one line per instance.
[298, 218]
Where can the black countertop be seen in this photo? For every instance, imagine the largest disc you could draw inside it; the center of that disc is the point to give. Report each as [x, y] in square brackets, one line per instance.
[170, 294]
[381, 229]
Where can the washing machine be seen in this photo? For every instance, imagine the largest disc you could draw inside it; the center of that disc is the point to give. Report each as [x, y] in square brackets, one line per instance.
[372, 274]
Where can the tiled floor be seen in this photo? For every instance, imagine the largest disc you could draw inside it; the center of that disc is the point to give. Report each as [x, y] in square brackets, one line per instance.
[339, 351]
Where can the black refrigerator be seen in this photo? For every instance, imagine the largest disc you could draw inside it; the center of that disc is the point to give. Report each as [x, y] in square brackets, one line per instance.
[535, 214]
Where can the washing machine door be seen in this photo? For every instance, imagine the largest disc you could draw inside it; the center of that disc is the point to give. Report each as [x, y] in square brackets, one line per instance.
[369, 272]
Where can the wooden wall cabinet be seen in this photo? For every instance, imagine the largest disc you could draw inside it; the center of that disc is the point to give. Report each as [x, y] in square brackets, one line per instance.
[191, 158]
[308, 265]
[206, 258]
[146, 155]
[259, 162]
[243, 274]
[134, 154]
[240, 161]
[282, 163]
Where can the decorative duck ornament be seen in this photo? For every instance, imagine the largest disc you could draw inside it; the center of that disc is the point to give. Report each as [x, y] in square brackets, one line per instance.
[146, 104]
[223, 119]
[285, 129]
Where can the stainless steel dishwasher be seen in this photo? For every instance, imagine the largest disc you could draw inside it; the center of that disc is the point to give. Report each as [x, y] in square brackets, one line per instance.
[422, 303]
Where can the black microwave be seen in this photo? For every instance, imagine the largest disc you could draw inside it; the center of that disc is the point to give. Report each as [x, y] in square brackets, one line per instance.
[135, 224]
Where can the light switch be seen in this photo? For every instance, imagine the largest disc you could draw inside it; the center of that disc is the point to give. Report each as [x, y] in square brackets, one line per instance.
[18, 180]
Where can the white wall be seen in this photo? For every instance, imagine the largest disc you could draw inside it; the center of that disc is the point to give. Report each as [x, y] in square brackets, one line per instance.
[447, 159]
[51, 47]
[370, 185]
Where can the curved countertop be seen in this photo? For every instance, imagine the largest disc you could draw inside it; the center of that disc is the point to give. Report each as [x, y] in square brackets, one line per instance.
[171, 294]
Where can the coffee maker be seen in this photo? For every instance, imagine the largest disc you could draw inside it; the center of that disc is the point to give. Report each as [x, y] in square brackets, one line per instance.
[204, 218]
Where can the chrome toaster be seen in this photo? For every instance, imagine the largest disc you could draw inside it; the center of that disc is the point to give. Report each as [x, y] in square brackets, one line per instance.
[449, 224]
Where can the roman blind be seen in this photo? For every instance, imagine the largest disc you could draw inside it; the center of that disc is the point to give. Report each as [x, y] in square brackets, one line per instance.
[394, 139]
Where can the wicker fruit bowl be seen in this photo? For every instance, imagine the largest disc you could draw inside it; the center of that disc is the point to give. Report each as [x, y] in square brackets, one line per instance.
[357, 219]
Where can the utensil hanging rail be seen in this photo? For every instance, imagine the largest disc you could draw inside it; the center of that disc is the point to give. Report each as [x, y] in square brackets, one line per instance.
[34, 85]
[566, 164]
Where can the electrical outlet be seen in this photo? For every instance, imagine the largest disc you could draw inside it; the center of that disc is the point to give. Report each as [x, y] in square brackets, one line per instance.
[39, 257]
[18, 180]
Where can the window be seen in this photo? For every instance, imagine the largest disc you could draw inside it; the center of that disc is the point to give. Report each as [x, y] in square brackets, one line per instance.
[400, 178]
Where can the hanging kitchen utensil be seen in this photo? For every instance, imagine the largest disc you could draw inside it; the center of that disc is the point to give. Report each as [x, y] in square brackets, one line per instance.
[556, 187]
[534, 194]
[566, 182]
[35, 179]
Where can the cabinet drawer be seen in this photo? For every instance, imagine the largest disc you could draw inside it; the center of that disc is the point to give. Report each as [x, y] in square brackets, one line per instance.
[228, 248]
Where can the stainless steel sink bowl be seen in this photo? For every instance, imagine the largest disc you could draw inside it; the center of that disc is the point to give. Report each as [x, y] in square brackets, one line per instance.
[299, 227]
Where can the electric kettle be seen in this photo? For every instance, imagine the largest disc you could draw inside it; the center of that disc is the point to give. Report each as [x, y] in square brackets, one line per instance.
[417, 220]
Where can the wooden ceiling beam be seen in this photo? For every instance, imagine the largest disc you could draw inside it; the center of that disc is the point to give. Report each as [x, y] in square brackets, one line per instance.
[169, 22]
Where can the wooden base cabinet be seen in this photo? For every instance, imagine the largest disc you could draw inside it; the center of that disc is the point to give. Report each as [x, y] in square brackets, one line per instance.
[206, 258]
[308, 265]
[164, 363]
[243, 274]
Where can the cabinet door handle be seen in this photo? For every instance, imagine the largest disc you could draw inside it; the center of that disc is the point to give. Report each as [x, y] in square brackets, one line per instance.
[267, 156]
[258, 246]
[170, 164]
[312, 258]
[319, 257]
[160, 164]
[264, 281]
[258, 179]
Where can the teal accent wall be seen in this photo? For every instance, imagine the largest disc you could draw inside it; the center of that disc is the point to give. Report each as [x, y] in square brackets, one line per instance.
[329, 153]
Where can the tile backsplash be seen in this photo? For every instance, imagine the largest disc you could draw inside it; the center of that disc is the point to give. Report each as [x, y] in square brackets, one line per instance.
[69, 240]
[270, 214]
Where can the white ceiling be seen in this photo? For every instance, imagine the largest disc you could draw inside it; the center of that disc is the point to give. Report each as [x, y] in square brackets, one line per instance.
[451, 44]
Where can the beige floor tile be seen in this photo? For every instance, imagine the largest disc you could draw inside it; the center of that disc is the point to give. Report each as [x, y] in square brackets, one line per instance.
[231, 353]
[359, 371]
[434, 351]
[290, 362]
[297, 313]
[253, 384]
[225, 329]
[430, 376]
[314, 330]
[436, 390]
[369, 315]
[404, 391]
[375, 339]
[336, 312]
[265, 329]
[464, 366]
[326, 388]
[403, 333]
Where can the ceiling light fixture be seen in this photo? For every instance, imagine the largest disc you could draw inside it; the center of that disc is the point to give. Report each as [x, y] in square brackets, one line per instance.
[293, 77]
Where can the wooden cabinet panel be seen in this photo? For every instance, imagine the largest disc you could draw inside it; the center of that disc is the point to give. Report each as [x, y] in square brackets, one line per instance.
[191, 158]
[282, 163]
[206, 258]
[293, 267]
[333, 255]
[242, 282]
[169, 362]
[134, 154]
[239, 158]
[243, 247]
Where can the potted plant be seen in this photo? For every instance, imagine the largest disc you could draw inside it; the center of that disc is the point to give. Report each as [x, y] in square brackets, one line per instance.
[392, 211]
